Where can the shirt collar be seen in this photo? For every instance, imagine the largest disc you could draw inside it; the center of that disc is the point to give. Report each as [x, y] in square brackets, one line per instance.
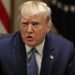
[39, 48]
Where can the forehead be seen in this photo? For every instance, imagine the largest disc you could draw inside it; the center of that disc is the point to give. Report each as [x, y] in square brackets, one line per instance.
[33, 17]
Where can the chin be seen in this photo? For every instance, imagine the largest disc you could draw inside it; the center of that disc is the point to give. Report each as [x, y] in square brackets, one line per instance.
[30, 44]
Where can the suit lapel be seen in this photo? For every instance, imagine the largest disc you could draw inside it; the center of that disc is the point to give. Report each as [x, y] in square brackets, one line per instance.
[20, 51]
[48, 58]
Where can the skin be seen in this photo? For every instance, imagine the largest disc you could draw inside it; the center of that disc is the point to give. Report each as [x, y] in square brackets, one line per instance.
[34, 28]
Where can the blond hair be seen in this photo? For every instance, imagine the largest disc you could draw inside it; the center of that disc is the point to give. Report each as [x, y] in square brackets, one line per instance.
[35, 7]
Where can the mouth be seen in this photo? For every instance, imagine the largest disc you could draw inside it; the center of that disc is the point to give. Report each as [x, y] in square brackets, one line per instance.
[29, 38]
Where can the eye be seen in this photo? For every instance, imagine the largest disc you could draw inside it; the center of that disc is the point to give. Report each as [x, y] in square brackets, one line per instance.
[35, 23]
[24, 23]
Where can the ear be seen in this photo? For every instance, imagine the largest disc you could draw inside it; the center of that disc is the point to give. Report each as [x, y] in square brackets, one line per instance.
[49, 25]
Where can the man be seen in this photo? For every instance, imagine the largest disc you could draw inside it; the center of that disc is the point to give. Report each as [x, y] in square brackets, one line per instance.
[53, 53]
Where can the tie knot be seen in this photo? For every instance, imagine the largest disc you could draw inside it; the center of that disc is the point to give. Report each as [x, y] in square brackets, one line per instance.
[33, 50]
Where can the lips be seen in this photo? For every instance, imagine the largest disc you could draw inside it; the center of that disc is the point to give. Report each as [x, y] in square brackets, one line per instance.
[29, 38]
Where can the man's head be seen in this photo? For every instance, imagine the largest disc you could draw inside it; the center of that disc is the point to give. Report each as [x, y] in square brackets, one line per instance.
[35, 22]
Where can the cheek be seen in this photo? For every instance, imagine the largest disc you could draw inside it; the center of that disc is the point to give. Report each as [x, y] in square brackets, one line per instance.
[40, 35]
[23, 32]
[22, 29]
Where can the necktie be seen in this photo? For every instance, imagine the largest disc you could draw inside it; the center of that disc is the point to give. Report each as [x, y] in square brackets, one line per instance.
[32, 68]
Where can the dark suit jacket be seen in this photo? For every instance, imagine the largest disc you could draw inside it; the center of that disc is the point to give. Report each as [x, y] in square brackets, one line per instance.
[57, 55]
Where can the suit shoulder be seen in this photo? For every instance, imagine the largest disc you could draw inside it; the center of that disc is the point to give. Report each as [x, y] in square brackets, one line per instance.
[58, 39]
[7, 38]
[61, 44]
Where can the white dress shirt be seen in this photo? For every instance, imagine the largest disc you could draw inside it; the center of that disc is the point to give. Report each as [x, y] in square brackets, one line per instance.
[38, 54]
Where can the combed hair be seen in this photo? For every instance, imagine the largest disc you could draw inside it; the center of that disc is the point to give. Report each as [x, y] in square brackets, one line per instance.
[34, 7]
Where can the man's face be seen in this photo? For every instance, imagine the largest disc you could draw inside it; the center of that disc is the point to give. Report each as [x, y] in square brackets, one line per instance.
[33, 29]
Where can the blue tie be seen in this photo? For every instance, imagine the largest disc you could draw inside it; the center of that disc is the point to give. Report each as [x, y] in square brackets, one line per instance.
[32, 68]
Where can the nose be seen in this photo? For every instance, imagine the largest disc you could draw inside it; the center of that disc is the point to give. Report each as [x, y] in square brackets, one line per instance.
[29, 29]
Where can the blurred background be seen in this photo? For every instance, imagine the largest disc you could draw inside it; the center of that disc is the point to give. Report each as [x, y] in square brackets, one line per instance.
[63, 17]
